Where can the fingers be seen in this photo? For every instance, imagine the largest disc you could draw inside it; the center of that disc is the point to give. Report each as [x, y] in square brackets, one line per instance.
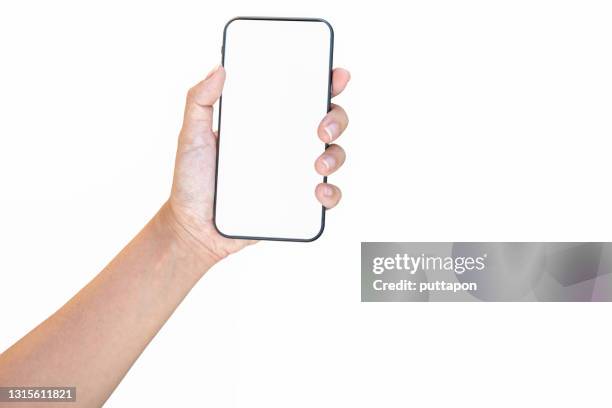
[336, 120]
[330, 160]
[201, 98]
[333, 124]
[328, 195]
[340, 77]
[330, 128]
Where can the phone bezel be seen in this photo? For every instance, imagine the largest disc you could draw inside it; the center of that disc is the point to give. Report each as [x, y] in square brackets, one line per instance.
[329, 95]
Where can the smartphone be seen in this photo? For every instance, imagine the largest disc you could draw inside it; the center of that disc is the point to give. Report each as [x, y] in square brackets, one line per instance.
[277, 90]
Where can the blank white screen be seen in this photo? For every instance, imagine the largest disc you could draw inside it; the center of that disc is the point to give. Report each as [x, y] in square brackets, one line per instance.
[275, 95]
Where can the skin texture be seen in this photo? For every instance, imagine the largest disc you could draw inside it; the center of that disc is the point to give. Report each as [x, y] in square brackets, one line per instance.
[93, 340]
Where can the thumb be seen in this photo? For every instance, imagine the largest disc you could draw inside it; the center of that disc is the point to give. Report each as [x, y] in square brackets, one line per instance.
[198, 118]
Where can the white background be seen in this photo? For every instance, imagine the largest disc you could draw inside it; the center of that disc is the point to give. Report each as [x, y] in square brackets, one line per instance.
[473, 120]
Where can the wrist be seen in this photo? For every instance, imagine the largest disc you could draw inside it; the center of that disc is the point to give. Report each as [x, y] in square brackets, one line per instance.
[185, 245]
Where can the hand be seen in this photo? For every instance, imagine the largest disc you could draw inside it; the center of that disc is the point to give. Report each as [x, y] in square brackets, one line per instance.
[190, 207]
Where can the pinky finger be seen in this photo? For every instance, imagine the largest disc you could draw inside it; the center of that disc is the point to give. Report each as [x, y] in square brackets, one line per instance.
[328, 195]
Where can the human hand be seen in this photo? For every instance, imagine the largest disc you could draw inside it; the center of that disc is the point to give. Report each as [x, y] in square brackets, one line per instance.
[130, 300]
[189, 211]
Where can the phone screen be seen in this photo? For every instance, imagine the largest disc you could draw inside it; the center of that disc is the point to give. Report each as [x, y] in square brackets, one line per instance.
[277, 90]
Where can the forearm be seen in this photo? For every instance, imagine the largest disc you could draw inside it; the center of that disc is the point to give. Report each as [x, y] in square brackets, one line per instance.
[93, 340]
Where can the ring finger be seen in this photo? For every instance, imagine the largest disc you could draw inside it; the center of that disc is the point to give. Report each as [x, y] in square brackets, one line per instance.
[330, 160]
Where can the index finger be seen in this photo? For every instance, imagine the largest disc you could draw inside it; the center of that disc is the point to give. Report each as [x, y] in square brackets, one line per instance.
[340, 77]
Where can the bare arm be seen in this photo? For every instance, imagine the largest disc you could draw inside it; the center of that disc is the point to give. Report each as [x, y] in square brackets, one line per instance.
[93, 340]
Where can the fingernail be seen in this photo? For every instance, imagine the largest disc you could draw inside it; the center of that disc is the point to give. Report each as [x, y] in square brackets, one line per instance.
[212, 71]
[328, 161]
[328, 191]
[331, 130]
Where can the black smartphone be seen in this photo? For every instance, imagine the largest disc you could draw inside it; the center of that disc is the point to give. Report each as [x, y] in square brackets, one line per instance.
[277, 90]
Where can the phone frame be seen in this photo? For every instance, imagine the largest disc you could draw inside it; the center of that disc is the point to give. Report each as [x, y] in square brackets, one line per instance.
[329, 96]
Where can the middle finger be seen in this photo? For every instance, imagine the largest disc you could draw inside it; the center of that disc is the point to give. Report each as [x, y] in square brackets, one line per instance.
[333, 124]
